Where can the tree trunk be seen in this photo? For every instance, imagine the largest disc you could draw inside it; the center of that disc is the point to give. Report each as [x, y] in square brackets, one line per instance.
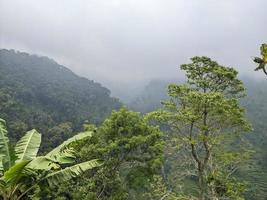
[201, 183]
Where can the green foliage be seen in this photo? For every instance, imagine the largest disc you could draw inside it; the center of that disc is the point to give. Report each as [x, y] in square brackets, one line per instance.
[70, 172]
[132, 152]
[158, 190]
[36, 92]
[57, 152]
[254, 173]
[21, 177]
[206, 75]
[205, 117]
[263, 60]
[5, 157]
[27, 147]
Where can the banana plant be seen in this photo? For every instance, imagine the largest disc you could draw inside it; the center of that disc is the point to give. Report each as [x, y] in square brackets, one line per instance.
[262, 62]
[21, 170]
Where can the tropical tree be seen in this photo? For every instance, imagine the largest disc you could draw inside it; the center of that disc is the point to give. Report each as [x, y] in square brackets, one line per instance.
[205, 122]
[21, 170]
[132, 152]
[263, 60]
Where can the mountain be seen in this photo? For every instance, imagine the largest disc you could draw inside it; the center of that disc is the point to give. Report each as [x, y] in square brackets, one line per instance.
[149, 99]
[36, 92]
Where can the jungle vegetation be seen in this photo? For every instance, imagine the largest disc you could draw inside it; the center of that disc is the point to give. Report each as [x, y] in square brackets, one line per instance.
[189, 140]
[21, 170]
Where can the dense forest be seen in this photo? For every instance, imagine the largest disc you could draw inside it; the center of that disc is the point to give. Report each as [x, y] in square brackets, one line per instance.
[204, 138]
[36, 92]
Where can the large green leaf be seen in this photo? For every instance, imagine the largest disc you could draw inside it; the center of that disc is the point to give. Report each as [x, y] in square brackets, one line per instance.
[60, 155]
[1, 165]
[66, 174]
[65, 156]
[4, 145]
[43, 163]
[15, 172]
[28, 146]
[60, 152]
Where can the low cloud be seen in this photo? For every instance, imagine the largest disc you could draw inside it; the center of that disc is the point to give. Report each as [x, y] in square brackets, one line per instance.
[125, 42]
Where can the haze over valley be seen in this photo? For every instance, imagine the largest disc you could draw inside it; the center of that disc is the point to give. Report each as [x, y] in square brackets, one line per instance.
[126, 44]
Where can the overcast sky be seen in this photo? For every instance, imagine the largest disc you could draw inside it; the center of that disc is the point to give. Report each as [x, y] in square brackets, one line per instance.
[122, 42]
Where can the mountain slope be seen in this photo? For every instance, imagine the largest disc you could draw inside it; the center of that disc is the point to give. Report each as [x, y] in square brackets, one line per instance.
[37, 92]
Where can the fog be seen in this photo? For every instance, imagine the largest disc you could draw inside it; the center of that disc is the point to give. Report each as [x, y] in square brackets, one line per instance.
[126, 43]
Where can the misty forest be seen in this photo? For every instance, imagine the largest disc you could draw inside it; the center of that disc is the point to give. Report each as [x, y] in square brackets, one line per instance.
[125, 100]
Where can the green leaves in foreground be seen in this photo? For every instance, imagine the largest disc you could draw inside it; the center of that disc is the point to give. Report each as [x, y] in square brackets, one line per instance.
[28, 146]
[4, 147]
[19, 177]
[62, 154]
[70, 172]
[56, 151]
[15, 172]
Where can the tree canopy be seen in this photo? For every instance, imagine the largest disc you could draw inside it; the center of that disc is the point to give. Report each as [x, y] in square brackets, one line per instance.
[132, 151]
[205, 117]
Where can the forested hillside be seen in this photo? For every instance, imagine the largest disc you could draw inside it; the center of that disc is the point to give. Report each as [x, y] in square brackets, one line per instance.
[150, 97]
[36, 92]
[132, 155]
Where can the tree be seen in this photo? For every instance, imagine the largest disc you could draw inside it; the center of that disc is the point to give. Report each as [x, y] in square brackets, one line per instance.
[132, 151]
[205, 119]
[263, 60]
[22, 170]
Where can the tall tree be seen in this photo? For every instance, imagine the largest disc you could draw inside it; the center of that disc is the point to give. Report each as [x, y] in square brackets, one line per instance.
[204, 116]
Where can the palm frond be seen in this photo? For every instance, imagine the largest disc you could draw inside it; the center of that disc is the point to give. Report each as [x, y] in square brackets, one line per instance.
[43, 163]
[27, 147]
[4, 145]
[15, 172]
[66, 155]
[68, 173]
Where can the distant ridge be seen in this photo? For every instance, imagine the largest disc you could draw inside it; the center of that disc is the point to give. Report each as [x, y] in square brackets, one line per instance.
[36, 91]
